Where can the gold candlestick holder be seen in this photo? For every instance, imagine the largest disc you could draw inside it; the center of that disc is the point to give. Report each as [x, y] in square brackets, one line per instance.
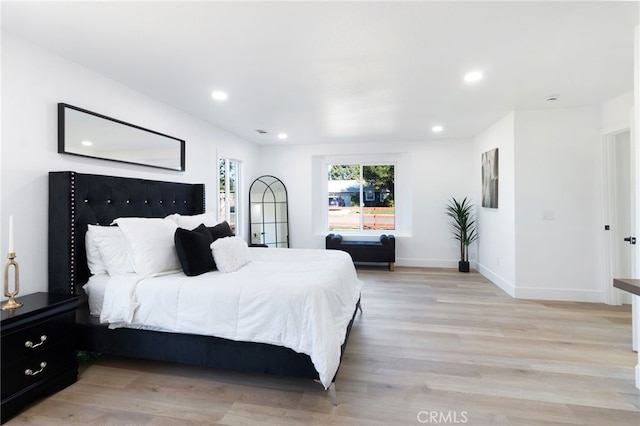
[12, 303]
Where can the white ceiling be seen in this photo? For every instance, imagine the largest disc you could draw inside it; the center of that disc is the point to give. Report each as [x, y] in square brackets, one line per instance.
[334, 72]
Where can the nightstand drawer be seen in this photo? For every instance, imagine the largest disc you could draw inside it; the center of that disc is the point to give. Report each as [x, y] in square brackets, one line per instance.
[38, 349]
[35, 338]
[34, 369]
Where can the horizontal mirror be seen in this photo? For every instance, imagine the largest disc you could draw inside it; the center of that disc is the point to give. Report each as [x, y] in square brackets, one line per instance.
[88, 134]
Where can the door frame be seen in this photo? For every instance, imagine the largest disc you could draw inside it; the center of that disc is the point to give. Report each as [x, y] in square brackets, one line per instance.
[613, 296]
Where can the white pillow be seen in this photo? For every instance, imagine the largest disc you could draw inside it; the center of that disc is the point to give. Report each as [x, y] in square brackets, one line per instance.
[230, 254]
[114, 254]
[94, 258]
[173, 217]
[150, 244]
[193, 221]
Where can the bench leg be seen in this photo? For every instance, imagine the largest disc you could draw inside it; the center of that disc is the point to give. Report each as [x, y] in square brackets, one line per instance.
[392, 266]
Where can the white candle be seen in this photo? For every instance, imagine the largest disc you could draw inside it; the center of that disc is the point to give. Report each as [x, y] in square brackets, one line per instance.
[11, 249]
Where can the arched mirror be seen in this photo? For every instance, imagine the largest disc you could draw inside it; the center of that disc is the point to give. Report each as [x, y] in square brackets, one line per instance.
[269, 218]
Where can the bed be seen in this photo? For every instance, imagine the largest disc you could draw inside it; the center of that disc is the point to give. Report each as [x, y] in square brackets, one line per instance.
[78, 200]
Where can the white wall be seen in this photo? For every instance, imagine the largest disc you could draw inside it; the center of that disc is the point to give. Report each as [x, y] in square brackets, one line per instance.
[496, 227]
[33, 82]
[3, 221]
[432, 172]
[547, 240]
[558, 215]
[635, 143]
[616, 114]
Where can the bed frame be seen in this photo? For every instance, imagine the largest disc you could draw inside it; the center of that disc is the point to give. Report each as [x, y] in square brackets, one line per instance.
[76, 200]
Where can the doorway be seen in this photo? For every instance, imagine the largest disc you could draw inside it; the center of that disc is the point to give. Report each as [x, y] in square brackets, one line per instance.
[620, 201]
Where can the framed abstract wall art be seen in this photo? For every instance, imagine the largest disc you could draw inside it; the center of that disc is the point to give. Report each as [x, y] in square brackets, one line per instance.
[490, 179]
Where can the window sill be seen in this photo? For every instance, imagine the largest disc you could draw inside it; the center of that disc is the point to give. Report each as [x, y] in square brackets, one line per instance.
[364, 235]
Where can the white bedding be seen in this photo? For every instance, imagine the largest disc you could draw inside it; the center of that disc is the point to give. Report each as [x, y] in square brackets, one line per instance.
[300, 299]
[95, 291]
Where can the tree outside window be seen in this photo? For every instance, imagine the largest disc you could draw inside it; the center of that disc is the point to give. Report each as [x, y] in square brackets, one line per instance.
[348, 184]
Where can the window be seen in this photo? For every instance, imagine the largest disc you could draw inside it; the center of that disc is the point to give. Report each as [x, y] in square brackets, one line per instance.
[227, 196]
[348, 184]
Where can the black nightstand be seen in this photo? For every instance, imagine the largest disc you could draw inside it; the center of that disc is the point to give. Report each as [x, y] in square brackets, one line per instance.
[38, 349]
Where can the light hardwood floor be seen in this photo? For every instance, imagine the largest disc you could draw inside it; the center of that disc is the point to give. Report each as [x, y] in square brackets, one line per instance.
[433, 346]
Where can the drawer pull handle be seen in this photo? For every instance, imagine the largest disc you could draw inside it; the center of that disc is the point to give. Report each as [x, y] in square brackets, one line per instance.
[29, 343]
[30, 372]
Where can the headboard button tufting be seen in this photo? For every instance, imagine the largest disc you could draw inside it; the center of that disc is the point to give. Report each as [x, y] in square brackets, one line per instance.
[69, 216]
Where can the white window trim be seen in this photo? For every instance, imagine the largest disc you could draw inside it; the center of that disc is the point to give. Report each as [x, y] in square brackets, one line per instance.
[401, 201]
[227, 215]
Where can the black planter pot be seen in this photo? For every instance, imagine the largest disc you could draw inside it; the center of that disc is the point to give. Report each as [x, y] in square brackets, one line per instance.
[463, 266]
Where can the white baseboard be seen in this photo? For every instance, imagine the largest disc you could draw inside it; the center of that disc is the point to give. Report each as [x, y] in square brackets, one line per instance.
[560, 294]
[430, 263]
[505, 285]
[570, 295]
[638, 374]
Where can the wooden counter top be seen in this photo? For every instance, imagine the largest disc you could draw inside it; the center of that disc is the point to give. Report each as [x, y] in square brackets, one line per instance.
[627, 284]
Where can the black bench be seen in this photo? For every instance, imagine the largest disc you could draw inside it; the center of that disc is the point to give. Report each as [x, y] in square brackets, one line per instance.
[383, 250]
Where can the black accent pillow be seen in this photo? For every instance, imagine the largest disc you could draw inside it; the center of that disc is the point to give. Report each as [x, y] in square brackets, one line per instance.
[221, 230]
[194, 250]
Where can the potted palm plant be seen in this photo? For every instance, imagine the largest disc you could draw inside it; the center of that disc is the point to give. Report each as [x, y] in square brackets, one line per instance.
[463, 227]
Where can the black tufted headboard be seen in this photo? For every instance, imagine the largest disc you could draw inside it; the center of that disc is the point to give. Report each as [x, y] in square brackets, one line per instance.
[77, 199]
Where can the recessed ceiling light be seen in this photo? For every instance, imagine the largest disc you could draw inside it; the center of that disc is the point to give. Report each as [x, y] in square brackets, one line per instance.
[552, 98]
[219, 95]
[437, 129]
[87, 143]
[473, 76]
[282, 135]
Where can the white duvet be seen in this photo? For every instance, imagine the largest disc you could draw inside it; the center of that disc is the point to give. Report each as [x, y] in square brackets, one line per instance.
[300, 299]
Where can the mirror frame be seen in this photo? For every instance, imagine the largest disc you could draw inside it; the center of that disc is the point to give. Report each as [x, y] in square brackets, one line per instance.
[278, 206]
[63, 147]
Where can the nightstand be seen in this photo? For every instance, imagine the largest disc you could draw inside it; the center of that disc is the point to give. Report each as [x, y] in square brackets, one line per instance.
[38, 349]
